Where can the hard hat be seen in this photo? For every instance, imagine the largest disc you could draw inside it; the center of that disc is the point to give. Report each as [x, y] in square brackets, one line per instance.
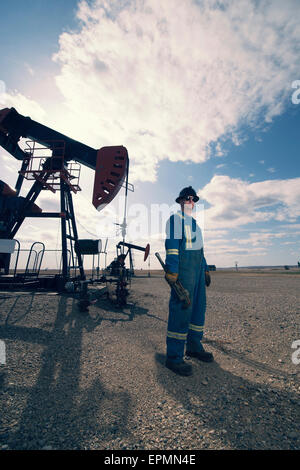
[187, 192]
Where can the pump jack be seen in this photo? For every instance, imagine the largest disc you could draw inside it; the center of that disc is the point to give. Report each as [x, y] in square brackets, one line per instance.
[54, 172]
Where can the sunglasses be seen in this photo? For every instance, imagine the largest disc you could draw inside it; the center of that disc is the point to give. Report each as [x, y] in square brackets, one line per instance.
[188, 198]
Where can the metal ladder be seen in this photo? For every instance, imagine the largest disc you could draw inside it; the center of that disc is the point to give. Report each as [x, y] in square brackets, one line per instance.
[69, 235]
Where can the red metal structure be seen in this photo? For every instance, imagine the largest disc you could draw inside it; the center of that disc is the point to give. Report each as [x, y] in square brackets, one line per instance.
[111, 170]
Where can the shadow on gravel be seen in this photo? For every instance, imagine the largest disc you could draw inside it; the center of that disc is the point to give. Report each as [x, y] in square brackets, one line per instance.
[130, 311]
[12, 317]
[246, 360]
[237, 413]
[59, 410]
[16, 313]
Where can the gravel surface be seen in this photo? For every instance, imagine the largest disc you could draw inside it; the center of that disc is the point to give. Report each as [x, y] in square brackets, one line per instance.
[99, 382]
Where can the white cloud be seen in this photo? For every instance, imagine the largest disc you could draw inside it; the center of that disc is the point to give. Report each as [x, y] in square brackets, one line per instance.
[221, 165]
[24, 105]
[29, 69]
[236, 203]
[212, 234]
[259, 239]
[226, 252]
[169, 79]
[291, 227]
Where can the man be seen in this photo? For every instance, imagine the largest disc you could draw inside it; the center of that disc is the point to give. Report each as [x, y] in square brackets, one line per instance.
[185, 261]
[117, 264]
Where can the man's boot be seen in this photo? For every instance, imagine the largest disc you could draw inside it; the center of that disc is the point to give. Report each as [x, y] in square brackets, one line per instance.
[180, 368]
[201, 355]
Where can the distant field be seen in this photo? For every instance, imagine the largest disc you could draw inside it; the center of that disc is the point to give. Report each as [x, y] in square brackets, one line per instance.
[159, 272]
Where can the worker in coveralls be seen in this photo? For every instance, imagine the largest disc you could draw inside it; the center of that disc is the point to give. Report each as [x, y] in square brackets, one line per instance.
[185, 261]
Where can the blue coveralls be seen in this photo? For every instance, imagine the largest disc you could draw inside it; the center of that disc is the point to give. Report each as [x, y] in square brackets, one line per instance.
[184, 255]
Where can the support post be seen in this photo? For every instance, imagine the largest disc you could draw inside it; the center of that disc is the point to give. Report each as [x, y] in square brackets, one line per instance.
[63, 230]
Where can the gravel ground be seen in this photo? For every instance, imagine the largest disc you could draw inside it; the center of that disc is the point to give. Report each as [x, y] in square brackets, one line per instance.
[99, 381]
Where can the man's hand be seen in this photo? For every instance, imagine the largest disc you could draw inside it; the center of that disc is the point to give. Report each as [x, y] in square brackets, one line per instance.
[207, 279]
[171, 277]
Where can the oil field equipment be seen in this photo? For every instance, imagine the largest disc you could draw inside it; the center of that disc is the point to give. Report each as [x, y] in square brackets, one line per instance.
[130, 246]
[52, 161]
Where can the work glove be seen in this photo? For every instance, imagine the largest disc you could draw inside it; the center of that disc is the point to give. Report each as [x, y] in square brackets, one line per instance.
[207, 279]
[171, 277]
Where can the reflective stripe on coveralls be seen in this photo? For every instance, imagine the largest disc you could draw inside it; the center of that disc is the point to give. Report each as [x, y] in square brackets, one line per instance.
[186, 325]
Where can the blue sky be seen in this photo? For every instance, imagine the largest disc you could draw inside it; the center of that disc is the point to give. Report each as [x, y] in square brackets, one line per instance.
[199, 92]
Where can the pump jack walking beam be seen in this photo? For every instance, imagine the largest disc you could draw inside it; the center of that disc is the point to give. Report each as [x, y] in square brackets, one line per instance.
[109, 163]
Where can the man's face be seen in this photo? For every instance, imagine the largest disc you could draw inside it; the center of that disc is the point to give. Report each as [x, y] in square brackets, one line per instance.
[187, 204]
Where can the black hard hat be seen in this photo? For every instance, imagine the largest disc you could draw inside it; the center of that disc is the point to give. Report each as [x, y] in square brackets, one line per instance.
[187, 192]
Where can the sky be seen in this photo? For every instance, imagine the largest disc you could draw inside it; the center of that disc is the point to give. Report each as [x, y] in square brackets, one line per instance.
[202, 93]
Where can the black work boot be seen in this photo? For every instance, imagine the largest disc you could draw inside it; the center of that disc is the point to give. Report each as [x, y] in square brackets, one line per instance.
[201, 355]
[180, 368]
